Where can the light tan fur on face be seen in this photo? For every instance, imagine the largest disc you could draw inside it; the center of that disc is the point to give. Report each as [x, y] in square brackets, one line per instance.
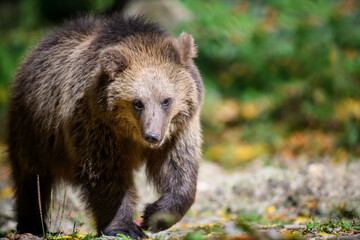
[152, 76]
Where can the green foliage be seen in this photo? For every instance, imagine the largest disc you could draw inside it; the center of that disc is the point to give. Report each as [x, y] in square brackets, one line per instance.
[313, 225]
[333, 226]
[123, 237]
[78, 221]
[5, 234]
[194, 236]
[297, 62]
[206, 231]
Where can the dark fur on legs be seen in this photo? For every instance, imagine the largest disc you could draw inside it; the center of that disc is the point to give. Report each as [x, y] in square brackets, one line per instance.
[27, 203]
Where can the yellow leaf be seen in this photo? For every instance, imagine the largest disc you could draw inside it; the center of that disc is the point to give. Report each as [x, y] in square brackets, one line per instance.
[347, 108]
[324, 234]
[246, 152]
[300, 220]
[270, 209]
[215, 152]
[224, 216]
[287, 233]
[341, 155]
[249, 111]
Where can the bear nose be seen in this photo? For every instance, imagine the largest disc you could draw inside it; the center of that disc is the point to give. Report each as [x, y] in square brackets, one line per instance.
[151, 137]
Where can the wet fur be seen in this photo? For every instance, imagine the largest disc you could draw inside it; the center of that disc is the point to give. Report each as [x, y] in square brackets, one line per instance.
[71, 118]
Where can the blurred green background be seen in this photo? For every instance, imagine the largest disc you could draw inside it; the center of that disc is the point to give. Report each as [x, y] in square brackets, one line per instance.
[282, 77]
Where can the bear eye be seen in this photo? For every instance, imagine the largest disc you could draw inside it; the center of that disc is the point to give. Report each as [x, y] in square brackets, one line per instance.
[166, 103]
[138, 105]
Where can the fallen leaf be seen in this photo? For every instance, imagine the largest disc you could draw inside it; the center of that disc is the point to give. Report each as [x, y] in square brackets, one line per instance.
[324, 234]
[270, 209]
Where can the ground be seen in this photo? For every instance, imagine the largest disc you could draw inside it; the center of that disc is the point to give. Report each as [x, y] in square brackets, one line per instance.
[274, 197]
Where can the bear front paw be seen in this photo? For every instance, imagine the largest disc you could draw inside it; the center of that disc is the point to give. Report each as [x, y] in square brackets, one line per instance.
[156, 220]
[134, 232]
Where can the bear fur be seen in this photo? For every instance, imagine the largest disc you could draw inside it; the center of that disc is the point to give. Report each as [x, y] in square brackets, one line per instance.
[94, 101]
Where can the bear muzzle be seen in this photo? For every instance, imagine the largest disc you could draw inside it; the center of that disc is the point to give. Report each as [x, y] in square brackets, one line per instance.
[151, 137]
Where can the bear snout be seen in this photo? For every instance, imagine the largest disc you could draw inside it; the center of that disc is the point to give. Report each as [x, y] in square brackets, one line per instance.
[152, 137]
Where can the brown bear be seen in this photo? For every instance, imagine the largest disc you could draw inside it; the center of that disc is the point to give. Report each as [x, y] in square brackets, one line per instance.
[94, 101]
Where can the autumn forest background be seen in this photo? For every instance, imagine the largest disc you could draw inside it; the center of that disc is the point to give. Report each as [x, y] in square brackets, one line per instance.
[282, 77]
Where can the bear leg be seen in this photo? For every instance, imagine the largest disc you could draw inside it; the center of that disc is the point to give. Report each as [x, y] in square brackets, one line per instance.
[113, 212]
[27, 202]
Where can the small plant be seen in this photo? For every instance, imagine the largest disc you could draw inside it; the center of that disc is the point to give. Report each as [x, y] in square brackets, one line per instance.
[332, 226]
[337, 225]
[5, 234]
[312, 226]
[194, 236]
[213, 230]
[123, 237]
[79, 220]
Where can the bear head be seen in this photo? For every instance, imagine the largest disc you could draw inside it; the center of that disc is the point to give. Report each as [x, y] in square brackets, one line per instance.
[149, 86]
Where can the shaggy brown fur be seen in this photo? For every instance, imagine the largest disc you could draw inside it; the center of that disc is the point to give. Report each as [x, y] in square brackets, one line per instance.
[94, 101]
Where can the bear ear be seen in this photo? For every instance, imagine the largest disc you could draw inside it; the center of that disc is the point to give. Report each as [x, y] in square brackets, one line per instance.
[112, 62]
[186, 47]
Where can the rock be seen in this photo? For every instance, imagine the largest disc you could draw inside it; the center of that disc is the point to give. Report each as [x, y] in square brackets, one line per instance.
[294, 227]
[166, 12]
[25, 236]
[231, 229]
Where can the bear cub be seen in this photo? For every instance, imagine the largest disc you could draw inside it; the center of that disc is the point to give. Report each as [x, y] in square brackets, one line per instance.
[92, 102]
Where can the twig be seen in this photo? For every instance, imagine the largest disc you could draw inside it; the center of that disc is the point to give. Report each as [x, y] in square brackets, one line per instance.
[57, 217]
[51, 206]
[62, 211]
[39, 198]
[68, 216]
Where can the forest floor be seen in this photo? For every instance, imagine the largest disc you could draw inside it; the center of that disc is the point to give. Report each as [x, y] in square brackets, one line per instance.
[262, 200]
